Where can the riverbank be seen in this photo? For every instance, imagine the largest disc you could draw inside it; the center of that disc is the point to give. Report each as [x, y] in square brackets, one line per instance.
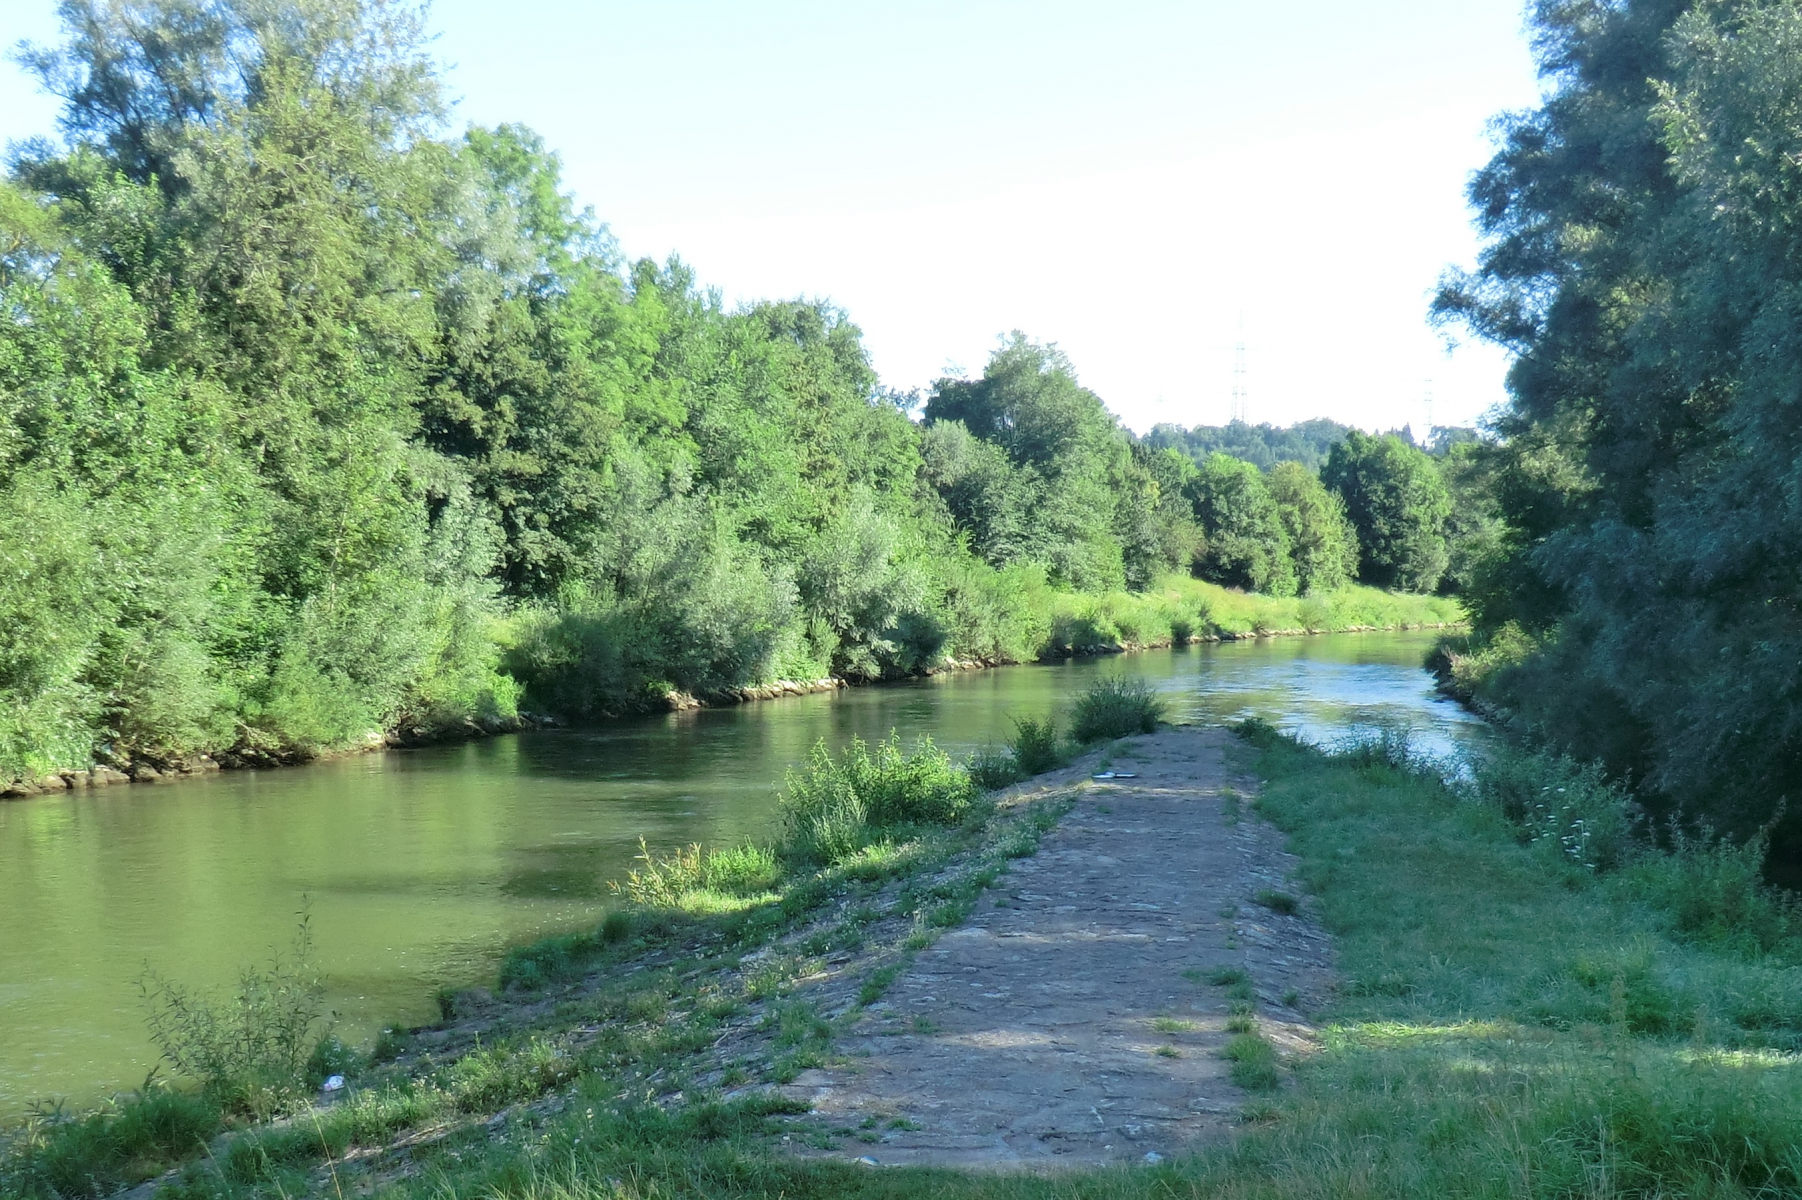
[1503, 1018]
[1179, 611]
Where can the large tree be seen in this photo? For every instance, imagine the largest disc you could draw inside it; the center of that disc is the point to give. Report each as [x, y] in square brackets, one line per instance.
[1398, 504]
[1322, 542]
[1247, 545]
[1644, 264]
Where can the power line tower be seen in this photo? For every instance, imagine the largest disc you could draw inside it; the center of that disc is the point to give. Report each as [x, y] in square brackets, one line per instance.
[1241, 407]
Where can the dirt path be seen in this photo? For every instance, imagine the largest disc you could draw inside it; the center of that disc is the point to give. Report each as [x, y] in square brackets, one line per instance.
[1070, 1021]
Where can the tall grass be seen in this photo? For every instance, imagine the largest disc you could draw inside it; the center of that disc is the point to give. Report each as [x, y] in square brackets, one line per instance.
[1113, 707]
[1178, 609]
[710, 880]
[834, 807]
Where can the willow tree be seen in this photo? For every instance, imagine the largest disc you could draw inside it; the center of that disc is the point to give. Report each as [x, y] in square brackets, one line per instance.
[1644, 265]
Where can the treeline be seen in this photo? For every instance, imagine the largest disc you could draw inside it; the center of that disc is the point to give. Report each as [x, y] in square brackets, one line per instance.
[316, 422]
[1642, 604]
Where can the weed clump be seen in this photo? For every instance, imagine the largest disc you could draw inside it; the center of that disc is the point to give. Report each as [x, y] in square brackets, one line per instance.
[991, 769]
[1278, 902]
[1035, 746]
[833, 808]
[1254, 1062]
[250, 1053]
[702, 880]
[1114, 707]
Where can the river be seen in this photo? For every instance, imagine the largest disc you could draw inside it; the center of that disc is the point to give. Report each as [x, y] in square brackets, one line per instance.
[420, 867]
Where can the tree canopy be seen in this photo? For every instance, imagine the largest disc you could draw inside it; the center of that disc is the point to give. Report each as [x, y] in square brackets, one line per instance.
[1641, 263]
[319, 421]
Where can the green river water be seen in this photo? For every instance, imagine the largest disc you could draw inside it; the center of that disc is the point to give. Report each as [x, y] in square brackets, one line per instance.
[420, 867]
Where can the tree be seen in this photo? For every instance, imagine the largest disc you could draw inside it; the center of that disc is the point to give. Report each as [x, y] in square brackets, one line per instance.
[1642, 264]
[1397, 502]
[1074, 468]
[1306, 442]
[1247, 545]
[1322, 542]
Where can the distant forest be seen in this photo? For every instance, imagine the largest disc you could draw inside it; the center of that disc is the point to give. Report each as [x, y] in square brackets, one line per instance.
[1306, 442]
[319, 420]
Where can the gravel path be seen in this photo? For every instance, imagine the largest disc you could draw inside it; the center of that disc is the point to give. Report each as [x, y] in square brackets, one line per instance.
[1070, 1021]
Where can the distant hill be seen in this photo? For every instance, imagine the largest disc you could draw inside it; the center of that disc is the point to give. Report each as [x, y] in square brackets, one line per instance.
[1306, 442]
[1266, 445]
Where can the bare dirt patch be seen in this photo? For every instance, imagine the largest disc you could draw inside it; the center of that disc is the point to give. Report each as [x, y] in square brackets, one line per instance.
[1070, 1020]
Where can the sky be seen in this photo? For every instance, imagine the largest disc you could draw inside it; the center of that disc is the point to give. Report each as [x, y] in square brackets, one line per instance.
[1146, 184]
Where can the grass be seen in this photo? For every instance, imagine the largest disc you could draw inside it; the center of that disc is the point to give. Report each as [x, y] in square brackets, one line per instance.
[1114, 707]
[619, 1023]
[1512, 1023]
[1277, 902]
[1179, 609]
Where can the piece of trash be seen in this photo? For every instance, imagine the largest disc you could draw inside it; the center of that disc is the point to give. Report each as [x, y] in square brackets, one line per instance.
[333, 1084]
[1153, 1157]
[867, 1161]
[1114, 775]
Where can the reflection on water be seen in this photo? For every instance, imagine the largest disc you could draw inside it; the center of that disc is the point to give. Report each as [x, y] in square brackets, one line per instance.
[420, 867]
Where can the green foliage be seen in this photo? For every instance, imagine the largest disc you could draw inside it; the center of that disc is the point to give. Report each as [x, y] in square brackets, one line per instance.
[249, 1052]
[1264, 446]
[1716, 895]
[1035, 746]
[1641, 267]
[117, 1146]
[1569, 809]
[992, 769]
[1322, 542]
[1114, 706]
[1277, 902]
[832, 808]
[1254, 1062]
[1247, 544]
[320, 424]
[693, 878]
[1399, 505]
[1065, 489]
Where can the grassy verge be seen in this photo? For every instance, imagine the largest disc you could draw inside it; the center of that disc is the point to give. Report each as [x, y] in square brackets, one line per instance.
[669, 1028]
[1515, 1021]
[1524, 1013]
[1180, 609]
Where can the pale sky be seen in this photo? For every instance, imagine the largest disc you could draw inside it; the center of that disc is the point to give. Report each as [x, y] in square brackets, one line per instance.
[1129, 180]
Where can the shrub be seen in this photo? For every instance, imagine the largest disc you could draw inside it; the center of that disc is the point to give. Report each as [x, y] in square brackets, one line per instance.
[1035, 747]
[250, 1053]
[992, 769]
[1114, 707]
[832, 808]
[1569, 808]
